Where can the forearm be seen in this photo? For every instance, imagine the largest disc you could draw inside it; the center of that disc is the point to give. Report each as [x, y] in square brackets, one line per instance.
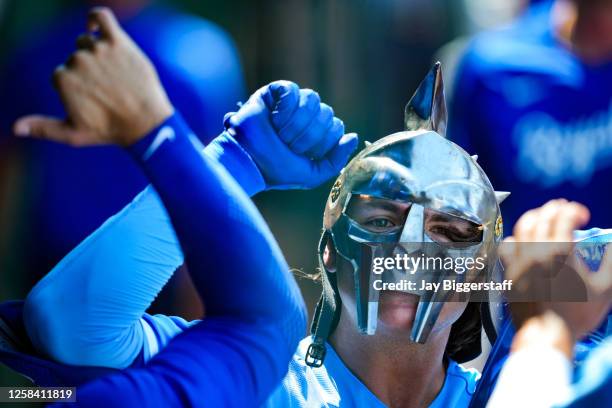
[237, 355]
[538, 371]
[219, 362]
[255, 315]
[125, 264]
[219, 229]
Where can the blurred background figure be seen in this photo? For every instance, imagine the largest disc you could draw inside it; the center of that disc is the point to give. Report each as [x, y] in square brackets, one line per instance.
[534, 101]
[63, 194]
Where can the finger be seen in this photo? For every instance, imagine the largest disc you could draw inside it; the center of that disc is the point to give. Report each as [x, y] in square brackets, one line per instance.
[45, 127]
[79, 58]
[59, 77]
[103, 20]
[329, 141]
[547, 217]
[308, 108]
[331, 164]
[525, 226]
[573, 216]
[282, 99]
[316, 131]
[86, 41]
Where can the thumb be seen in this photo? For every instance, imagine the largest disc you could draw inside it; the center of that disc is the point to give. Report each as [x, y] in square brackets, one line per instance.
[339, 155]
[336, 159]
[46, 127]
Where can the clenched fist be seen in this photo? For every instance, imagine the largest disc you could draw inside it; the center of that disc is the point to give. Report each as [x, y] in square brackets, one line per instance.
[109, 88]
[294, 138]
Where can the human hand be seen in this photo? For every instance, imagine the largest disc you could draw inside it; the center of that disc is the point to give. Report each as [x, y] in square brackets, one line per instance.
[526, 262]
[292, 136]
[109, 88]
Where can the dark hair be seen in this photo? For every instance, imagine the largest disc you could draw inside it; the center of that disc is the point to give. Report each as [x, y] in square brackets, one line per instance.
[464, 340]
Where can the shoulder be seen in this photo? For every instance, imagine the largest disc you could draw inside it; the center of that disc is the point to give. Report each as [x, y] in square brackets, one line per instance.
[526, 47]
[175, 39]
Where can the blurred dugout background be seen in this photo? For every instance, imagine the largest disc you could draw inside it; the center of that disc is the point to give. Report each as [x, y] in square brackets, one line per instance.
[365, 58]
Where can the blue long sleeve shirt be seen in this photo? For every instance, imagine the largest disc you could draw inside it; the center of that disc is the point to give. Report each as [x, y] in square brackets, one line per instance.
[255, 315]
[90, 309]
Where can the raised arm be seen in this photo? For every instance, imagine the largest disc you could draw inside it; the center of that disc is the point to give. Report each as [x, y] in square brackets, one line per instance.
[282, 137]
[255, 313]
[128, 260]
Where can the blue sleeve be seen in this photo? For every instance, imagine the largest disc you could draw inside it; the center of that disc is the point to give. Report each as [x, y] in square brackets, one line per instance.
[255, 314]
[158, 331]
[87, 310]
[114, 275]
[593, 387]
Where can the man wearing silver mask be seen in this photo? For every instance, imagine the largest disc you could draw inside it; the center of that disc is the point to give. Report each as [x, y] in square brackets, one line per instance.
[410, 187]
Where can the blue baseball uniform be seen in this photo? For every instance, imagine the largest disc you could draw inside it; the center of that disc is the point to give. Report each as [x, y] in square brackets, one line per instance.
[334, 385]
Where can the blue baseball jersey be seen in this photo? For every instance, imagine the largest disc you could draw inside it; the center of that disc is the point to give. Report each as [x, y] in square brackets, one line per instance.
[538, 117]
[334, 385]
[329, 386]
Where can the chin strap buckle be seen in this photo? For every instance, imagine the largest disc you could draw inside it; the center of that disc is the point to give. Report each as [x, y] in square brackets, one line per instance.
[315, 355]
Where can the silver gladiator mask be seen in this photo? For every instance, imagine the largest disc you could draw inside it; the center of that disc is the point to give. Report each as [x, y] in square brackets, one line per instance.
[421, 168]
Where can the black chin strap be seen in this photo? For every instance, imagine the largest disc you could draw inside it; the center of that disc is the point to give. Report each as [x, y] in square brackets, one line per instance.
[327, 312]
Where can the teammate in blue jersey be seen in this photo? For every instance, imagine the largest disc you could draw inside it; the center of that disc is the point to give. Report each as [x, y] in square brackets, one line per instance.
[255, 315]
[533, 101]
[282, 137]
[540, 362]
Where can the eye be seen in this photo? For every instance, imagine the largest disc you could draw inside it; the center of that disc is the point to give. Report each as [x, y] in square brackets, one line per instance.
[454, 235]
[380, 224]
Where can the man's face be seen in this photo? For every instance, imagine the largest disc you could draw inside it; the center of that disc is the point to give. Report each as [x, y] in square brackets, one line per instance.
[396, 310]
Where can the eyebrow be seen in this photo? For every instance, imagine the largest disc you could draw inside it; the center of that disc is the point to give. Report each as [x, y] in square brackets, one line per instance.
[379, 203]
